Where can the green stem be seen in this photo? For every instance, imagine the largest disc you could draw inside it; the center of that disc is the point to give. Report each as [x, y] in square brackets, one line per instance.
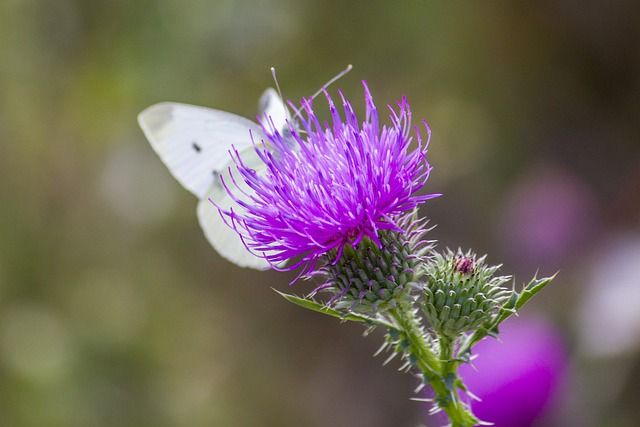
[463, 415]
[439, 372]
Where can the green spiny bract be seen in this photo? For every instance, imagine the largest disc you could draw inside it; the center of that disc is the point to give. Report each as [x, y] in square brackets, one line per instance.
[369, 278]
[461, 293]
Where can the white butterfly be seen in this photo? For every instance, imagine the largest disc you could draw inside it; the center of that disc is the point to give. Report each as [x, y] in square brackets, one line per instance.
[194, 143]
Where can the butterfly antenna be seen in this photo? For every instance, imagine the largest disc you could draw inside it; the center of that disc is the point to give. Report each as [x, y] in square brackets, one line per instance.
[286, 104]
[275, 80]
[319, 91]
[333, 80]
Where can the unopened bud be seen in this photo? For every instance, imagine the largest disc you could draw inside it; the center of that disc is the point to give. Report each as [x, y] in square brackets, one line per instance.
[461, 293]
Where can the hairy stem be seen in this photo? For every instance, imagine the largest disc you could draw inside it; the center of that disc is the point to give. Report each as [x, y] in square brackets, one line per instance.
[440, 371]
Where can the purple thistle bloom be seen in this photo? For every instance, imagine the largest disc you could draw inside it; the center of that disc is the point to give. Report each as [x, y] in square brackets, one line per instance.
[329, 185]
[464, 264]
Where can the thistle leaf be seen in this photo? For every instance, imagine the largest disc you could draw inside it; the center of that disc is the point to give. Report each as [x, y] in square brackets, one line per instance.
[509, 308]
[534, 286]
[318, 307]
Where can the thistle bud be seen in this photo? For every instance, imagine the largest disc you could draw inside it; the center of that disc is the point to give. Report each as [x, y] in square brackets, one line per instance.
[370, 277]
[461, 293]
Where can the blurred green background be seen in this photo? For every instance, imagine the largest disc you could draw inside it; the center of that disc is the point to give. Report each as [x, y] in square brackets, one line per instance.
[114, 311]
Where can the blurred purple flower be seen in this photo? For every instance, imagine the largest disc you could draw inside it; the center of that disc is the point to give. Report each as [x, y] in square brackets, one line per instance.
[328, 185]
[547, 215]
[516, 377]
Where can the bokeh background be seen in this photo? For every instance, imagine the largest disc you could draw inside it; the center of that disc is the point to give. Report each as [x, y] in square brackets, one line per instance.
[114, 311]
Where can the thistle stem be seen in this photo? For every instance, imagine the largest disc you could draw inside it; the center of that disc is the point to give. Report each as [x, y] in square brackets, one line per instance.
[439, 372]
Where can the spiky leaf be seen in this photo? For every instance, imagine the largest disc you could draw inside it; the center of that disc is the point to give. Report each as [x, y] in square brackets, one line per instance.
[318, 307]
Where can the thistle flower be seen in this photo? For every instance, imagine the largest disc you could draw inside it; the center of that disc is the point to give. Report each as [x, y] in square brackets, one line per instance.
[328, 186]
[339, 201]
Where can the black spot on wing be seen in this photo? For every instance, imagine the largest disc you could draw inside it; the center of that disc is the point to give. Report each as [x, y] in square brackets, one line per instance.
[196, 147]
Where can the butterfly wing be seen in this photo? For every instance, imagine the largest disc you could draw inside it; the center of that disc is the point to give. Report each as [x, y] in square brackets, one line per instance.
[272, 109]
[194, 142]
[222, 237]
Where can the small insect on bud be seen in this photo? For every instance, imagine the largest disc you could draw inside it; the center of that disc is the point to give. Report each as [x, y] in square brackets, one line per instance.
[461, 293]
